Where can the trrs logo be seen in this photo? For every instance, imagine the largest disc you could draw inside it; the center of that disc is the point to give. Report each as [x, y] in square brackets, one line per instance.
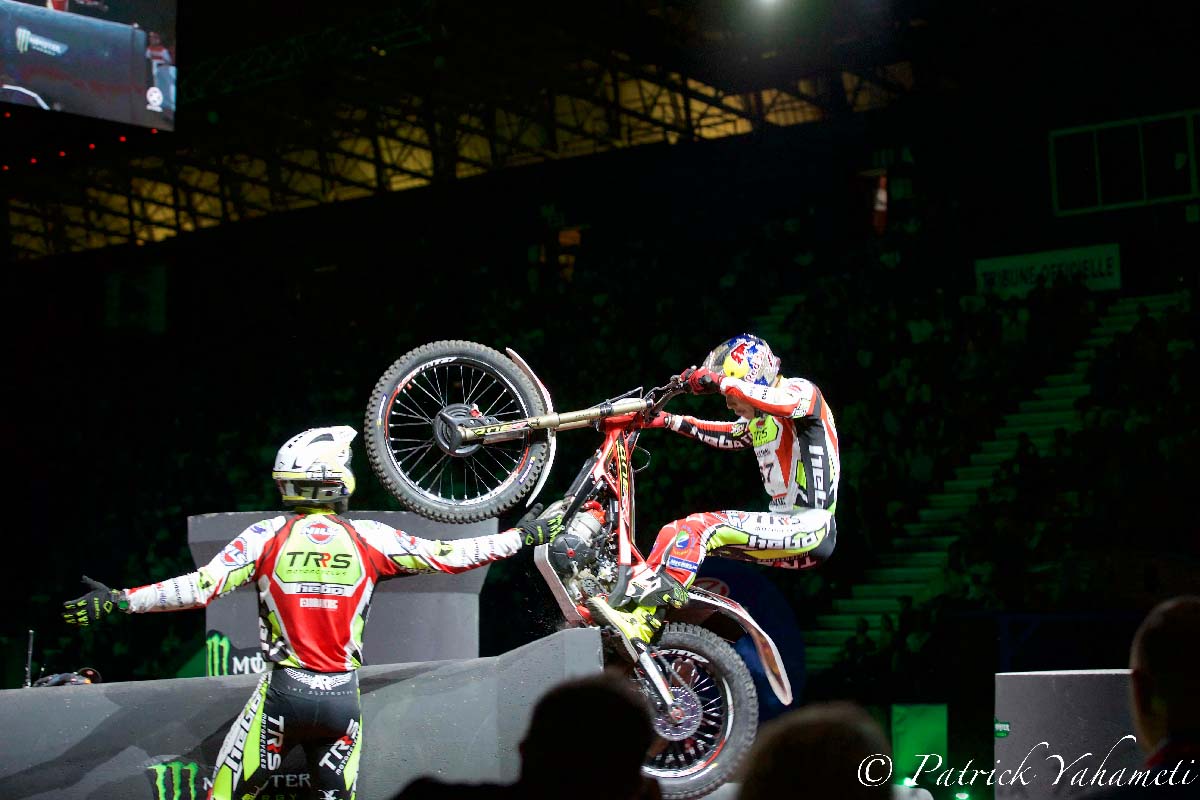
[309, 559]
[272, 753]
[335, 758]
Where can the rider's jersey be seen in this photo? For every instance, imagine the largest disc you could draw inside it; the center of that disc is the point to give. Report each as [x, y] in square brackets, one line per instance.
[315, 575]
[795, 440]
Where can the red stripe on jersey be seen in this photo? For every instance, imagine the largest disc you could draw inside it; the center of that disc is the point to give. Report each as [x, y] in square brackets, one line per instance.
[829, 429]
[787, 440]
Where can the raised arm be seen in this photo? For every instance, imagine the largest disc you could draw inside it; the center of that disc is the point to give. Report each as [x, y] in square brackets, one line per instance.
[794, 397]
[396, 553]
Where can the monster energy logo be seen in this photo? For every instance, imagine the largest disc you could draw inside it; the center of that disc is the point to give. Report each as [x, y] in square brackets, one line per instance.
[221, 659]
[217, 645]
[175, 780]
[28, 40]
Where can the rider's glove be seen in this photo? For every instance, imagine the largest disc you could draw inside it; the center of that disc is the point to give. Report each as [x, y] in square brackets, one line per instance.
[701, 381]
[536, 531]
[94, 605]
[659, 420]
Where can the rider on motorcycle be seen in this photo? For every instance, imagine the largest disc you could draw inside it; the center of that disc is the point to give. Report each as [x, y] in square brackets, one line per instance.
[791, 429]
[315, 573]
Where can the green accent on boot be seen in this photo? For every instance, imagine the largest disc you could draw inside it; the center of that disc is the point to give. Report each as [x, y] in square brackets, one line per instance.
[641, 624]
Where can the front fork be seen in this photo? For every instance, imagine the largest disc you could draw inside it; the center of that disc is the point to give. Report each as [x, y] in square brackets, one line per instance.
[651, 671]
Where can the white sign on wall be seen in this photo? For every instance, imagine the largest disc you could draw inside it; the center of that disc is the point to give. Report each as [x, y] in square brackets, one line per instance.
[1098, 267]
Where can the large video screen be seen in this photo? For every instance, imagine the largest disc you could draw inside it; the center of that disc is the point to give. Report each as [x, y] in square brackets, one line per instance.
[112, 59]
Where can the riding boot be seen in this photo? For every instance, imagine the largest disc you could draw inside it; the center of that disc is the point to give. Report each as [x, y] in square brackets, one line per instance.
[641, 624]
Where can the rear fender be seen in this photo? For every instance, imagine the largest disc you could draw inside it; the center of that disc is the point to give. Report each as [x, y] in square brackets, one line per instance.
[729, 620]
[545, 393]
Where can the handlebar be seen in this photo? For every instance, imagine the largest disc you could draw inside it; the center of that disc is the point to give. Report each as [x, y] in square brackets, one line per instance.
[558, 422]
[650, 404]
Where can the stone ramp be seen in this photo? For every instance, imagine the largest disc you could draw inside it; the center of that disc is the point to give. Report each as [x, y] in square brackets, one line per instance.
[158, 740]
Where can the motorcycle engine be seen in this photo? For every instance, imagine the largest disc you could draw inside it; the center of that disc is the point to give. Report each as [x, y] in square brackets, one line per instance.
[572, 550]
[582, 555]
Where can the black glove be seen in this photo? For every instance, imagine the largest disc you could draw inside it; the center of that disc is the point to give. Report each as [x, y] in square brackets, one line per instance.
[536, 531]
[94, 605]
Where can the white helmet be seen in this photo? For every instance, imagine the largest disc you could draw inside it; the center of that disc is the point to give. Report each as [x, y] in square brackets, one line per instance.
[313, 468]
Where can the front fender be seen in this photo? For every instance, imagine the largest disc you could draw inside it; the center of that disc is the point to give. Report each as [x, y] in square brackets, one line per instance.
[701, 609]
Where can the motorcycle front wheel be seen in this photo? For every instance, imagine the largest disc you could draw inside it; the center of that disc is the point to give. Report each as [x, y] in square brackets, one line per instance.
[699, 752]
[407, 438]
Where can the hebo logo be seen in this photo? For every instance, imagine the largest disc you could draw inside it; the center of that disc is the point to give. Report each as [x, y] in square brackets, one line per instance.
[176, 780]
[763, 430]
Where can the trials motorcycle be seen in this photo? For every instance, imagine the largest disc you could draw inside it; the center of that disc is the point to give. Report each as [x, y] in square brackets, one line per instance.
[459, 432]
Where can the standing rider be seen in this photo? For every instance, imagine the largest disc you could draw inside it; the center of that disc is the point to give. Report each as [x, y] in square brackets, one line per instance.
[791, 429]
[315, 573]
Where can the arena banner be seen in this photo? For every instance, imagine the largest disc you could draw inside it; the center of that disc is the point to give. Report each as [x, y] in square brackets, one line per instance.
[1098, 267]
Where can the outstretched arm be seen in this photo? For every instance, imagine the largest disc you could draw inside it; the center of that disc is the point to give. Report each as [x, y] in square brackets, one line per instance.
[714, 433]
[398, 553]
[228, 570]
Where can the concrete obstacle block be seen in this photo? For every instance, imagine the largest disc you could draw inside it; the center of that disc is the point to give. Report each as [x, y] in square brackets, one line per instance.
[1066, 731]
[158, 740]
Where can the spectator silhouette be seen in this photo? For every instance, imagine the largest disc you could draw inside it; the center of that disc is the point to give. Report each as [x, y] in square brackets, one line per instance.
[817, 752]
[1164, 662]
[860, 646]
[551, 769]
[905, 618]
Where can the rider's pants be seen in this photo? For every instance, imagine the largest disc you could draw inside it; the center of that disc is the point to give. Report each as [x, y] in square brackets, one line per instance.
[320, 712]
[797, 540]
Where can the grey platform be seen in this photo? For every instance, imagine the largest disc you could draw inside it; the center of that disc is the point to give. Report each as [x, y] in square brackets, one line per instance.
[158, 740]
[1066, 714]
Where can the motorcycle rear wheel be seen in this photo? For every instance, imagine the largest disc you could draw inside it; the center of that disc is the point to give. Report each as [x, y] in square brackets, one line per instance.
[407, 444]
[692, 758]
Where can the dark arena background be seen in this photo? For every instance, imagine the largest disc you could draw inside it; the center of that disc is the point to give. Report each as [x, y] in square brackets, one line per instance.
[975, 225]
